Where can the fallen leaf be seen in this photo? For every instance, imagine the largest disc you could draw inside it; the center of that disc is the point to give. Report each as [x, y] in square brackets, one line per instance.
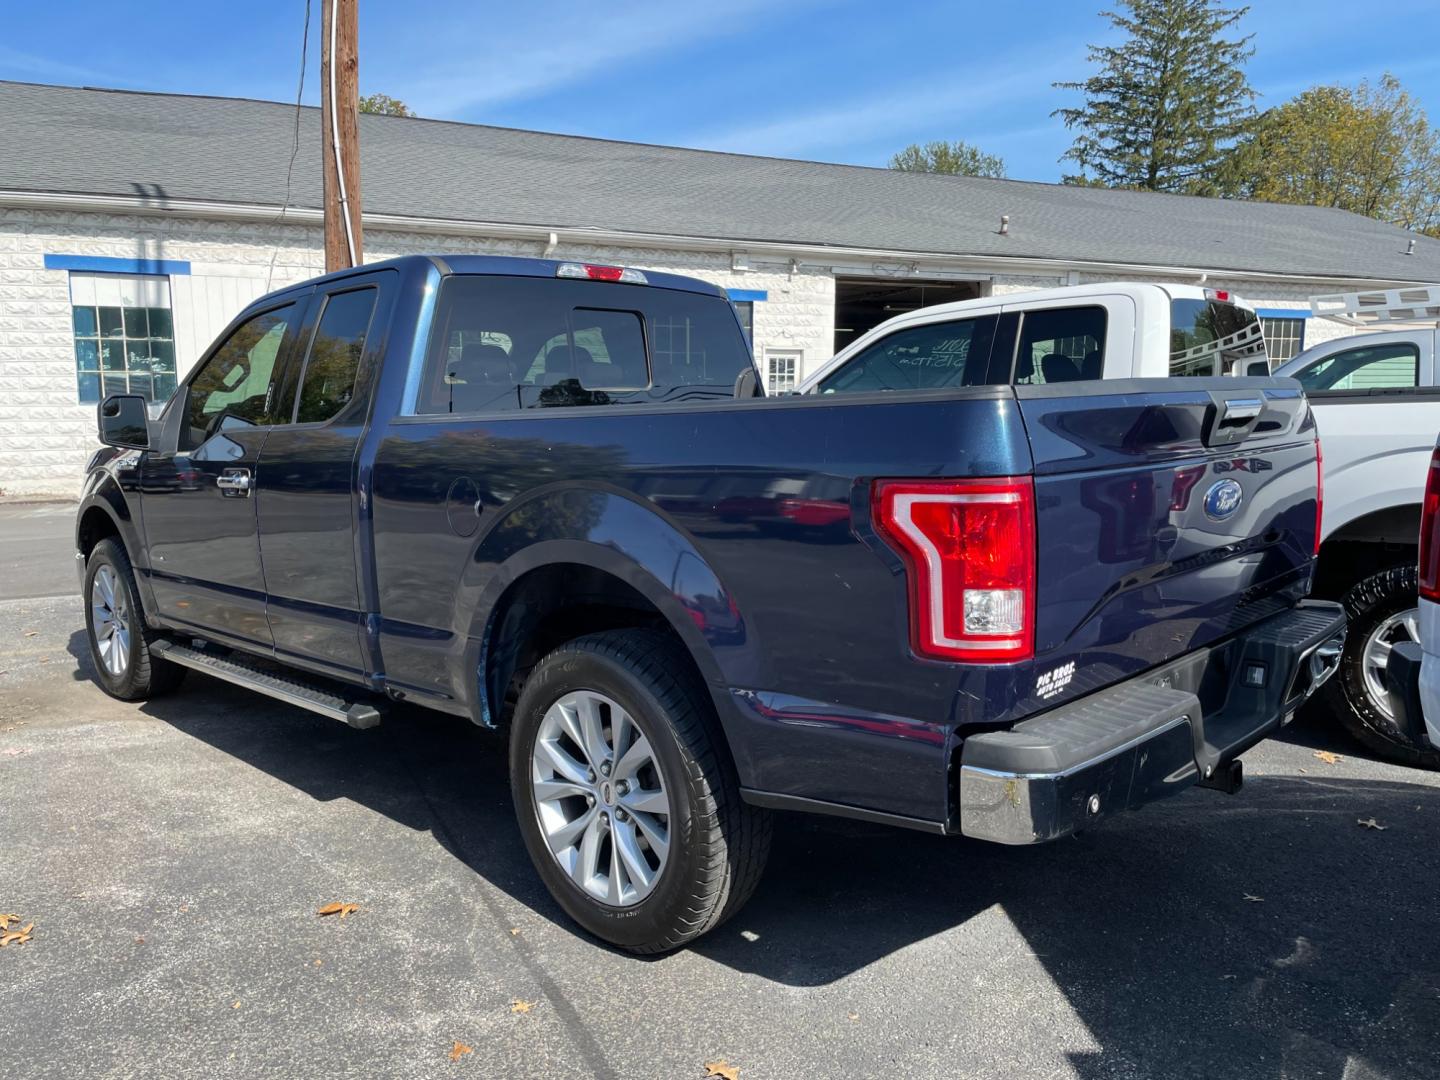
[236, 1005]
[514, 931]
[1371, 823]
[518, 1006]
[318, 961]
[852, 1016]
[1254, 899]
[722, 1068]
[459, 1050]
[139, 941]
[1327, 757]
[6, 920]
[338, 909]
[17, 937]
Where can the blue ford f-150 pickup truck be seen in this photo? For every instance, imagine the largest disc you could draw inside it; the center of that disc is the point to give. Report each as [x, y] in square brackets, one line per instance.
[546, 497]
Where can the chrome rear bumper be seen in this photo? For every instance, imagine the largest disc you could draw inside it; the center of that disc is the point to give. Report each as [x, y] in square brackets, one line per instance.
[1149, 737]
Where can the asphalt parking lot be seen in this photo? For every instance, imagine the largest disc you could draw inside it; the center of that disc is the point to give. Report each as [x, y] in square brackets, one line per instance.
[172, 856]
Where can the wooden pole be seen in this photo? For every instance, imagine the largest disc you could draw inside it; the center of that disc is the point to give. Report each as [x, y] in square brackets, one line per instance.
[340, 124]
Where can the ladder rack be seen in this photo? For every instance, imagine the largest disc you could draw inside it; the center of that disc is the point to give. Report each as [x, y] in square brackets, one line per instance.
[1376, 307]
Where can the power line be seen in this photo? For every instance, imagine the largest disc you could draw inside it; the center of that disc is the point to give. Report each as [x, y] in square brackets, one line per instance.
[295, 149]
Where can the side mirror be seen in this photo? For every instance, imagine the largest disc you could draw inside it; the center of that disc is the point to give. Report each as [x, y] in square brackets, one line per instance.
[125, 422]
[1258, 367]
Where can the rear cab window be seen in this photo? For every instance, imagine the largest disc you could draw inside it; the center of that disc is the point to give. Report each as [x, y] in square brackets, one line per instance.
[1213, 337]
[501, 343]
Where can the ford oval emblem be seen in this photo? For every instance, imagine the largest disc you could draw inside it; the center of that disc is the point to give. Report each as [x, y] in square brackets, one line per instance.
[1223, 499]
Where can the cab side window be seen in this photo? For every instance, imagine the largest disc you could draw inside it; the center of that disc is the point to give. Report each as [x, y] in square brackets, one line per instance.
[1377, 367]
[1060, 345]
[236, 386]
[929, 357]
[328, 382]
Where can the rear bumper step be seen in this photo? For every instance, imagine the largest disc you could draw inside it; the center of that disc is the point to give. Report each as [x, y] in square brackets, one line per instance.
[357, 714]
[1141, 740]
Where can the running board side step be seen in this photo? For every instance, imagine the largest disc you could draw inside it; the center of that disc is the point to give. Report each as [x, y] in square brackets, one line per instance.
[357, 714]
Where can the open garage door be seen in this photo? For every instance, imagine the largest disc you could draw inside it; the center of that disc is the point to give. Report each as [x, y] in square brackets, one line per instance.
[862, 303]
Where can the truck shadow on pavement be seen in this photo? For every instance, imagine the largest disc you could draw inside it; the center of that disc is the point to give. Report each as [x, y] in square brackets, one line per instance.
[1268, 935]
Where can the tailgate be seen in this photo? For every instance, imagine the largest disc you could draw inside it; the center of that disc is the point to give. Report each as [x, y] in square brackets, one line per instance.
[1170, 514]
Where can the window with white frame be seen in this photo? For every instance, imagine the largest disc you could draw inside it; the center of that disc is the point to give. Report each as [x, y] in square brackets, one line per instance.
[124, 335]
[1284, 338]
[782, 370]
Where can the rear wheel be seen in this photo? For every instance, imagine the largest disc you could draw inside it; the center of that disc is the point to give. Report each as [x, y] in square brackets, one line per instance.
[626, 798]
[115, 627]
[1383, 611]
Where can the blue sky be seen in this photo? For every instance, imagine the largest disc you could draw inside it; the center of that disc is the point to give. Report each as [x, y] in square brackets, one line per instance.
[832, 80]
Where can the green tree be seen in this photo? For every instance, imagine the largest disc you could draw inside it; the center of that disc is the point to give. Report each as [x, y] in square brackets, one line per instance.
[385, 105]
[958, 158]
[1168, 103]
[1368, 149]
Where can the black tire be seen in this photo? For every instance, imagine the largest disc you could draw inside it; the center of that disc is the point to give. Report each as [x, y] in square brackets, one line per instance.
[1368, 604]
[144, 675]
[718, 843]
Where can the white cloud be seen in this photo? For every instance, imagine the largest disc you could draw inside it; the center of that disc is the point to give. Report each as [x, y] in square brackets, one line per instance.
[13, 62]
[944, 103]
[547, 48]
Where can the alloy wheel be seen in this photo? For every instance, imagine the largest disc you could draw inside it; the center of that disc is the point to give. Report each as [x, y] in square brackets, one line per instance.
[110, 621]
[600, 798]
[1402, 626]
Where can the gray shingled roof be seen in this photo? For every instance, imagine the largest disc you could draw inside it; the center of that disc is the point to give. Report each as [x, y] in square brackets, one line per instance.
[65, 139]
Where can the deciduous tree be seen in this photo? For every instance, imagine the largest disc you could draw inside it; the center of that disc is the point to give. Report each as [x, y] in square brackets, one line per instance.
[1368, 148]
[958, 158]
[385, 105]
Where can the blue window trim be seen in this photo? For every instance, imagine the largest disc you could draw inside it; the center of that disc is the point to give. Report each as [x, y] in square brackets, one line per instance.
[1283, 313]
[743, 295]
[102, 264]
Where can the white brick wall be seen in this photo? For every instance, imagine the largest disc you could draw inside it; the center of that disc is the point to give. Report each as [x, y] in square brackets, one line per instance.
[45, 437]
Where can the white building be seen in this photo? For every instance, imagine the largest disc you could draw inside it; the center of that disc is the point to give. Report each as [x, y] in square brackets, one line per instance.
[133, 227]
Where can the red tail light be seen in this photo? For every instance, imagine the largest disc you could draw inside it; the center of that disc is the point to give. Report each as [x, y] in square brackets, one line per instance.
[1429, 541]
[969, 553]
[1319, 493]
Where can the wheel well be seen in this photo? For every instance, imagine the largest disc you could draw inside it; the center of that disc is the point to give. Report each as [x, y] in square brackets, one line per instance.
[1371, 543]
[95, 525]
[546, 608]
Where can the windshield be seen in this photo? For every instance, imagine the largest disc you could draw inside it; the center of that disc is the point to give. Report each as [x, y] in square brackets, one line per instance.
[1208, 337]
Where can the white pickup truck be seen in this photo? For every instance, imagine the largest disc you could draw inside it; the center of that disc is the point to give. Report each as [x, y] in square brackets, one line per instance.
[1104, 331]
[1376, 398]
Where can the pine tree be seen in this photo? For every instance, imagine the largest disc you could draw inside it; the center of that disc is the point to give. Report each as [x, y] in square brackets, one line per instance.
[1168, 103]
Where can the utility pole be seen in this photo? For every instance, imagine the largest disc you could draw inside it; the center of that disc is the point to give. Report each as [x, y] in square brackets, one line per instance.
[339, 125]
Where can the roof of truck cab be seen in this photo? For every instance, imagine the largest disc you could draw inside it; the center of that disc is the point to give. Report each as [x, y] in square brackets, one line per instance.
[506, 265]
[164, 150]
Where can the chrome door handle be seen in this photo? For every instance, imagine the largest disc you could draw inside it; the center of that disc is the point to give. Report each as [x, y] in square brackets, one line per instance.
[234, 481]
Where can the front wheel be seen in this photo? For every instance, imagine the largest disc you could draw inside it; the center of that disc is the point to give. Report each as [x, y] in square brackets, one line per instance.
[626, 797]
[115, 626]
[1383, 611]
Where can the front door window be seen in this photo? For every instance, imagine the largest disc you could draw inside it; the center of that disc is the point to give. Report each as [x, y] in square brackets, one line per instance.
[235, 388]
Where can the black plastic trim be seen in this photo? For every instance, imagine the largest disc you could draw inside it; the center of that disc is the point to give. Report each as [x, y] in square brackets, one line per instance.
[773, 801]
